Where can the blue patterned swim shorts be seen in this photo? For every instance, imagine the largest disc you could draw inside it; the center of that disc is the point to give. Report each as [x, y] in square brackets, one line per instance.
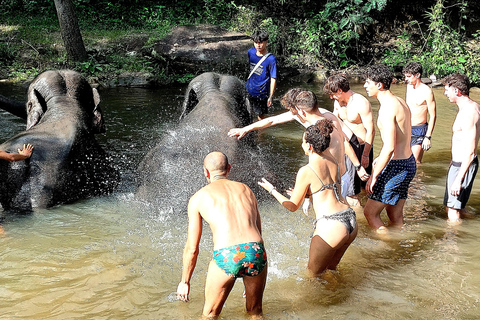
[392, 183]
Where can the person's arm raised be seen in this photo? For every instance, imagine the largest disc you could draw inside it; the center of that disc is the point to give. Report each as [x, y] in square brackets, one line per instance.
[262, 124]
[298, 192]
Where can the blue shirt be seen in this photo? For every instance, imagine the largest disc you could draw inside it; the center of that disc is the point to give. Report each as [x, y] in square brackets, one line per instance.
[258, 86]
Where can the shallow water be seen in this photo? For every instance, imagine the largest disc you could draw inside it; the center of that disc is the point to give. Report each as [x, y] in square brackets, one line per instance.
[114, 258]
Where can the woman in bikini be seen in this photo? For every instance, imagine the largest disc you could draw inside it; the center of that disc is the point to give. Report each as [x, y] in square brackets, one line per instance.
[335, 224]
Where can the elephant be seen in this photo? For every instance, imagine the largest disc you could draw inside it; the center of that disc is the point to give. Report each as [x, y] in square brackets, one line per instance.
[67, 164]
[172, 171]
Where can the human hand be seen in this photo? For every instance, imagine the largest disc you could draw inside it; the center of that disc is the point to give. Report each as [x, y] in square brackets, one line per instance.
[370, 183]
[363, 174]
[26, 151]
[237, 132]
[266, 185]
[269, 102]
[306, 206]
[456, 187]
[183, 290]
[289, 191]
[365, 160]
[374, 162]
[426, 144]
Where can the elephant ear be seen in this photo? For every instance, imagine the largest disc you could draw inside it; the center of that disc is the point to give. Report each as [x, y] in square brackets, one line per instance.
[98, 124]
[191, 100]
[36, 107]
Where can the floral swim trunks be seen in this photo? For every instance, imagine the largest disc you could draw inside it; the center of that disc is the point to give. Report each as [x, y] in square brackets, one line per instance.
[241, 260]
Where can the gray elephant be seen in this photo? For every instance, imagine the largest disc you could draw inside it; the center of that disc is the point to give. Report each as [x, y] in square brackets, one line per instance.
[67, 163]
[172, 171]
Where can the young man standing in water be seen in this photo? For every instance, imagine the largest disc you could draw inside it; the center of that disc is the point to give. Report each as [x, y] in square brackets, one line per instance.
[356, 113]
[230, 209]
[466, 129]
[304, 109]
[262, 80]
[395, 166]
[420, 100]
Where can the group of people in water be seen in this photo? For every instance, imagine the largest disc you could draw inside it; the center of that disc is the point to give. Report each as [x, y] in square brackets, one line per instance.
[339, 146]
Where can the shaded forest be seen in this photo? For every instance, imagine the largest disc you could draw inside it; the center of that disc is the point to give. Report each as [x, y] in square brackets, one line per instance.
[444, 35]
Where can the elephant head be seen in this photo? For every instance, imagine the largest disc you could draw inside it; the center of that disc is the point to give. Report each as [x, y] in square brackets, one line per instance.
[68, 163]
[64, 83]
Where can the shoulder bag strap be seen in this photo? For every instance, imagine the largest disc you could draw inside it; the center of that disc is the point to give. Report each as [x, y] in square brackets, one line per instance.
[258, 64]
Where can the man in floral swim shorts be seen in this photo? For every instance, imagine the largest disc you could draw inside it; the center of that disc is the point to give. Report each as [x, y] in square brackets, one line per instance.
[230, 209]
[247, 259]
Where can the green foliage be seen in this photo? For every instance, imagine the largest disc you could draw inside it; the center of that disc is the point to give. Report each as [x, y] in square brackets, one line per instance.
[329, 35]
[186, 78]
[402, 52]
[444, 50]
[303, 33]
[8, 52]
[90, 67]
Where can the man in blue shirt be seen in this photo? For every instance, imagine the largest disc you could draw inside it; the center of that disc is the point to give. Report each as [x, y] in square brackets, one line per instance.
[262, 80]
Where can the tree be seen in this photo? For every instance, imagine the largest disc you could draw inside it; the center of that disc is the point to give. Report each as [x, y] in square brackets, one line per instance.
[70, 31]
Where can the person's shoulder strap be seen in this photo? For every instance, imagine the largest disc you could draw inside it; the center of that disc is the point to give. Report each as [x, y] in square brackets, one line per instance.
[258, 64]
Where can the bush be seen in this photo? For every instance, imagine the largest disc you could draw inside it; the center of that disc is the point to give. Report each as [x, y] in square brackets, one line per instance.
[444, 50]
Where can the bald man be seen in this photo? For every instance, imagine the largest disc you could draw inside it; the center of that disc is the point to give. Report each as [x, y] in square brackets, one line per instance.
[230, 209]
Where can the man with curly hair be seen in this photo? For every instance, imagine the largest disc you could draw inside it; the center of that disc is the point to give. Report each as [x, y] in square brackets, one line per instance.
[356, 113]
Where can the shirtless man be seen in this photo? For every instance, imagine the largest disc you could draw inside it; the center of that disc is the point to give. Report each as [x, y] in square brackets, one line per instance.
[421, 102]
[230, 208]
[395, 166]
[356, 113]
[304, 109]
[466, 131]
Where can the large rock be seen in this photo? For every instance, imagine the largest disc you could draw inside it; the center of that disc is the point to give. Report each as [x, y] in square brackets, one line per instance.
[205, 48]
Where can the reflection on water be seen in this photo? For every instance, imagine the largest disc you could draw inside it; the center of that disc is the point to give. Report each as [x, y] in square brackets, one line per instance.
[114, 258]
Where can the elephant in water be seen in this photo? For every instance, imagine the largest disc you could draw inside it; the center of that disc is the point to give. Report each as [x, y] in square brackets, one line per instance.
[173, 170]
[67, 163]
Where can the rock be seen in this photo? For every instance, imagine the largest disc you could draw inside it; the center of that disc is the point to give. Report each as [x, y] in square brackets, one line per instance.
[129, 79]
[197, 49]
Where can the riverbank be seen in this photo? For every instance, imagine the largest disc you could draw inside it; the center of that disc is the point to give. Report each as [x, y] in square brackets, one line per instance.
[141, 59]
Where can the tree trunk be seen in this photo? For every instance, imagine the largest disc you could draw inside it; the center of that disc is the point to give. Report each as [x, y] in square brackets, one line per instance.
[70, 31]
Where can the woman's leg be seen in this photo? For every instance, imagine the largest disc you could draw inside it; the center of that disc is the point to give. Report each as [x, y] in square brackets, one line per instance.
[328, 245]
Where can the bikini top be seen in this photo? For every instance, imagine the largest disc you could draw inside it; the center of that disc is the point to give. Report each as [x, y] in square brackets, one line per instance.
[335, 186]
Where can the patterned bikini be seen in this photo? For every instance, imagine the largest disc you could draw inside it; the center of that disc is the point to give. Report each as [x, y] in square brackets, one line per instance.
[347, 217]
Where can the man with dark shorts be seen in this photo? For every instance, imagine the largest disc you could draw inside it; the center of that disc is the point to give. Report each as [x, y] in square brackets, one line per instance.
[356, 113]
[262, 80]
[420, 100]
[230, 209]
[395, 166]
[466, 131]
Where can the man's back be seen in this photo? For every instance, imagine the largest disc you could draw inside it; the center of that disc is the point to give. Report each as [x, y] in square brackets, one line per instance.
[230, 208]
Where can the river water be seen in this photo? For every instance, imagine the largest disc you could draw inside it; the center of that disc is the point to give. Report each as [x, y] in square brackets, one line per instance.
[115, 258]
